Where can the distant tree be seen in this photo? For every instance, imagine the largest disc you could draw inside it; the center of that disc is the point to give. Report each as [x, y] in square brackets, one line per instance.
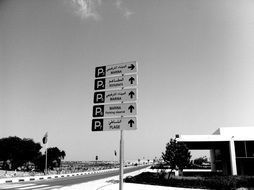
[54, 157]
[40, 163]
[31, 150]
[177, 155]
[15, 152]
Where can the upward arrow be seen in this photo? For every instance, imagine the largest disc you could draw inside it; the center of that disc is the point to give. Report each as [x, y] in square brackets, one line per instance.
[131, 94]
[131, 107]
[131, 122]
[131, 67]
[131, 80]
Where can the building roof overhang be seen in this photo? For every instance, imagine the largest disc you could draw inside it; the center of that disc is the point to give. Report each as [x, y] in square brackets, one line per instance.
[210, 141]
[205, 142]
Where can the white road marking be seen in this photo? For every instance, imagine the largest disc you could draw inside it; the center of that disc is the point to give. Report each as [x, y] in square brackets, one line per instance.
[50, 187]
[29, 186]
[10, 186]
[32, 187]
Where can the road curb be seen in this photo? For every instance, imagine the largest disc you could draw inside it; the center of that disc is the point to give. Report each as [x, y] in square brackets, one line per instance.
[48, 177]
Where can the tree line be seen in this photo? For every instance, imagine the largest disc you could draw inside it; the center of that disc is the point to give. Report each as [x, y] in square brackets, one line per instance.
[17, 153]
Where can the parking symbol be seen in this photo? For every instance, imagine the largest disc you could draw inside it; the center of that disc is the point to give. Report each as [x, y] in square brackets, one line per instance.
[99, 84]
[97, 125]
[100, 71]
[99, 97]
[98, 111]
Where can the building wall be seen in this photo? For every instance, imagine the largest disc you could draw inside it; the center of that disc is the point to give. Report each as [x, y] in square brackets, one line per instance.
[232, 149]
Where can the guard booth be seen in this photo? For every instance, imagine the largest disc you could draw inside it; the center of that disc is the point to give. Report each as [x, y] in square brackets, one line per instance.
[231, 149]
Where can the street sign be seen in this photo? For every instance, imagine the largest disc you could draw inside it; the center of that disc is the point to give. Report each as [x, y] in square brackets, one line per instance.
[114, 124]
[115, 82]
[113, 110]
[116, 69]
[109, 117]
[113, 96]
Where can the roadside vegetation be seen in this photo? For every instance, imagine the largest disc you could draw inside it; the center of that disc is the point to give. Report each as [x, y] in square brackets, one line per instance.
[24, 157]
[18, 154]
[214, 182]
[177, 155]
[175, 159]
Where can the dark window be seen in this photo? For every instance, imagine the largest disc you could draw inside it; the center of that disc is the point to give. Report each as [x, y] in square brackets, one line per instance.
[218, 154]
[250, 148]
[240, 149]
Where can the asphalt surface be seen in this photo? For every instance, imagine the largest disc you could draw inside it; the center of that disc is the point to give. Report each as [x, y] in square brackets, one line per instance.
[67, 181]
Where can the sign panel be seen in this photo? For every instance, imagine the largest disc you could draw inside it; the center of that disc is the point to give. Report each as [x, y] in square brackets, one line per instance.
[116, 69]
[115, 82]
[113, 96]
[113, 110]
[114, 124]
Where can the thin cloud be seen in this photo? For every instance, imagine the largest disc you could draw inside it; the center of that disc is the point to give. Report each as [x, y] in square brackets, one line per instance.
[87, 8]
[119, 4]
[128, 13]
[125, 11]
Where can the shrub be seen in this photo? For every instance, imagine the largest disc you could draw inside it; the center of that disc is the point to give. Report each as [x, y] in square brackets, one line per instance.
[215, 182]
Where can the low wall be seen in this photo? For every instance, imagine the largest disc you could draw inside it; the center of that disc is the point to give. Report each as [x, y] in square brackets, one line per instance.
[186, 172]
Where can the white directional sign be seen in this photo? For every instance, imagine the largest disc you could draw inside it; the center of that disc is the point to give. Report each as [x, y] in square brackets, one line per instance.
[116, 69]
[113, 110]
[115, 82]
[112, 96]
[114, 124]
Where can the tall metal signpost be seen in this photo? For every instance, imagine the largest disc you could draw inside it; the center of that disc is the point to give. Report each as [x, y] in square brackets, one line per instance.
[115, 102]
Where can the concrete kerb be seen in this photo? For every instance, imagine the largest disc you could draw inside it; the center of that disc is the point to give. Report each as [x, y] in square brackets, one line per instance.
[48, 177]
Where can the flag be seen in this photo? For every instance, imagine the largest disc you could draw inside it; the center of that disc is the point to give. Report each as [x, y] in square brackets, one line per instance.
[115, 152]
[45, 138]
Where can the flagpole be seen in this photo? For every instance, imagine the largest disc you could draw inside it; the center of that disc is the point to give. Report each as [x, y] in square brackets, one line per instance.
[115, 157]
[114, 161]
[46, 159]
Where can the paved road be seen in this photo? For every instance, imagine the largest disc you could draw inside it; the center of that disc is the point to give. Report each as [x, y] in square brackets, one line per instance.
[61, 182]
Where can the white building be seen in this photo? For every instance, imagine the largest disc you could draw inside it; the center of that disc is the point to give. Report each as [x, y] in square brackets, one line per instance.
[231, 149]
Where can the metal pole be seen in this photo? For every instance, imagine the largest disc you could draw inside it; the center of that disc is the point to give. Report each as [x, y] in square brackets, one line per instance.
[121, 161]
[114, 161]
[46, 160]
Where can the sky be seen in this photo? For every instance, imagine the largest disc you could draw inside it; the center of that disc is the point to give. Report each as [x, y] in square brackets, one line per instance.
[195, 70]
